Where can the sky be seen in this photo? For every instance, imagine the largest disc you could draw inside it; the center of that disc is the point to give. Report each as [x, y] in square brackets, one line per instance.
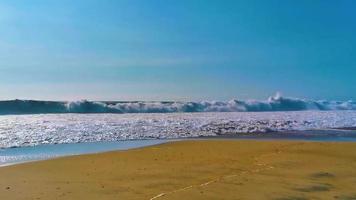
[177, 49]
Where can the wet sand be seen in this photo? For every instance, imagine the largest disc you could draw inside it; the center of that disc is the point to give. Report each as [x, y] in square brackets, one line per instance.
[200, 169]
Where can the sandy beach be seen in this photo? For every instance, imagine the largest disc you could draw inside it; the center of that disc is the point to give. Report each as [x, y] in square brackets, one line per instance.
[199, 169]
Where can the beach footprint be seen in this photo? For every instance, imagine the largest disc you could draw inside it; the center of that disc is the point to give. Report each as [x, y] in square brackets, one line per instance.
[346, 197]
[321, 175]
[292, 198]
[321, 187]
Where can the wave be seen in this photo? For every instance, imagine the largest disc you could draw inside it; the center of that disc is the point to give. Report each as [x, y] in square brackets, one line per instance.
[31, 130]
[274, 103]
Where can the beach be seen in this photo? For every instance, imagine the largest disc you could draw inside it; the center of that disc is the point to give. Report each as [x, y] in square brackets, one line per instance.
[196, 169]
[177, 100]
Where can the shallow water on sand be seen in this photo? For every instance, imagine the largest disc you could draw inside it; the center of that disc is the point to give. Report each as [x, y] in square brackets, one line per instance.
[11, 156]
[46, 136]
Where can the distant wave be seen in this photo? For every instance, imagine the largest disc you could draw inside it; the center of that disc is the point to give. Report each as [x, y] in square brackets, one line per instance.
[274, 103]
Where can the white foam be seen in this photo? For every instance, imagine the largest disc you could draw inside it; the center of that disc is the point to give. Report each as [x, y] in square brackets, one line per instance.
[29, 130]
[275, 103]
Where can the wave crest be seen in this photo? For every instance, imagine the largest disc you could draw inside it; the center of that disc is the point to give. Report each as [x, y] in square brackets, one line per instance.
[274, 103]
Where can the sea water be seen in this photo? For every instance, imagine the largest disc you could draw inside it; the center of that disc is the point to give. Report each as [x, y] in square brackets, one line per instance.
[41, 136]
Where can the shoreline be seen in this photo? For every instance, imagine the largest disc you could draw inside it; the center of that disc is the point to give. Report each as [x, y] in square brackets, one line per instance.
[50, 152]
[193, 169]
[53, 151]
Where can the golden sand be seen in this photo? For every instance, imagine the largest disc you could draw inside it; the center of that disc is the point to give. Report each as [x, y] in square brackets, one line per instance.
[208, 169]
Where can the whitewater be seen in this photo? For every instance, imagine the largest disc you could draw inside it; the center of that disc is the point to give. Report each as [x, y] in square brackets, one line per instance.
[30, 123]
[39, 129]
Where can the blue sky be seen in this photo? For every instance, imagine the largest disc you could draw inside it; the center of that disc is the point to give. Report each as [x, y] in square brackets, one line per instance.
[177, 49]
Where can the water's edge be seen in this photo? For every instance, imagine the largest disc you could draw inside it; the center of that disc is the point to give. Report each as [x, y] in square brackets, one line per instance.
[11, 156]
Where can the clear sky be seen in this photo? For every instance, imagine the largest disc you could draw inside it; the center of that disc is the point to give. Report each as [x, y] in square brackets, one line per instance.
[177, 49]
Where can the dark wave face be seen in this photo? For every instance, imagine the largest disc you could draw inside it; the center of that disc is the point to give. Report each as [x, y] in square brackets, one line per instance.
[275, 103]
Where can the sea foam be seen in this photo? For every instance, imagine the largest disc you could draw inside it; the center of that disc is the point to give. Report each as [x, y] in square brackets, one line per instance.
[30, 130]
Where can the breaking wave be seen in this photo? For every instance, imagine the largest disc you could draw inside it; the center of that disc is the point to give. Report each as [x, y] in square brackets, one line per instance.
[274, 103]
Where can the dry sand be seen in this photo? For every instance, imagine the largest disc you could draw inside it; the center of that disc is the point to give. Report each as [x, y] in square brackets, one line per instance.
[209, 169]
